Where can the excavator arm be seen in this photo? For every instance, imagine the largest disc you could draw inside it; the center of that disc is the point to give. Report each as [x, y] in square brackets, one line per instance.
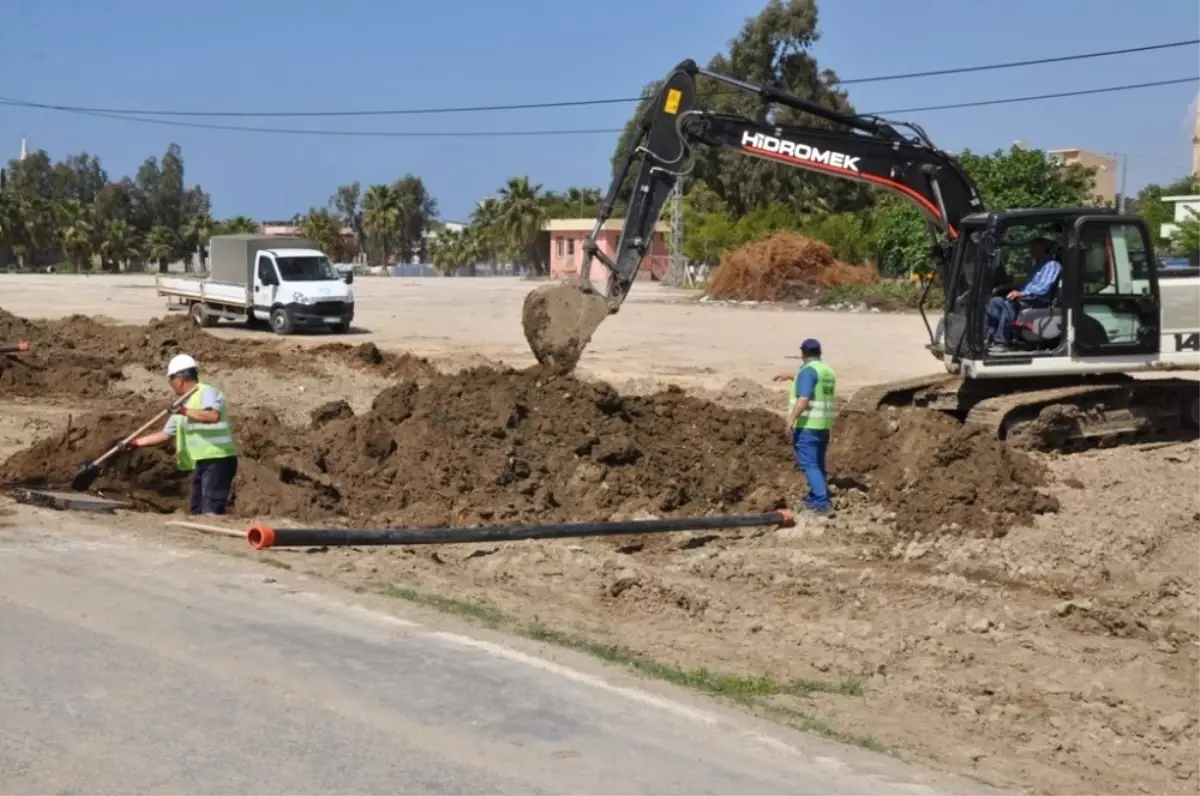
[863, 148]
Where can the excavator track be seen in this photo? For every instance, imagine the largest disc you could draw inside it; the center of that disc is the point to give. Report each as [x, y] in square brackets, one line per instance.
[1095, 415]
[1055, 414]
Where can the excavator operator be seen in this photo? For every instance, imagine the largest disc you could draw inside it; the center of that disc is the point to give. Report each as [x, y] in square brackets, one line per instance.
[1037, 292]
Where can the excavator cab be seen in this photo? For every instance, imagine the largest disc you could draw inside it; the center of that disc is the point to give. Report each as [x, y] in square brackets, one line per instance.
[1105, 304]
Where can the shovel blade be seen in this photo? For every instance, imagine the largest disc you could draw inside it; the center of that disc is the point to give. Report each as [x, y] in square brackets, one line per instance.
[84, 479]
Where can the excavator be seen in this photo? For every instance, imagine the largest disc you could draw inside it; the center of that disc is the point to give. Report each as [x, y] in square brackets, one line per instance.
[1068, 381]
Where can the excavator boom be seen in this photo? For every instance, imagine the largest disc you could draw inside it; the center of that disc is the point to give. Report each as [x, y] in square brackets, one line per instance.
[862, 148]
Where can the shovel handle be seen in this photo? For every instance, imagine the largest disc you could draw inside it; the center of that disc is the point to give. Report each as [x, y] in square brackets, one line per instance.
[178, 402]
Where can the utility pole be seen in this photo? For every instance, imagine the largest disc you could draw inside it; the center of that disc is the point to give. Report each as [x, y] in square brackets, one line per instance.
[1124, 181]
[677, 269]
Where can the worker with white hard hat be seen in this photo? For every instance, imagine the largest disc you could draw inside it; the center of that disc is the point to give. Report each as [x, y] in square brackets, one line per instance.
[203, 437]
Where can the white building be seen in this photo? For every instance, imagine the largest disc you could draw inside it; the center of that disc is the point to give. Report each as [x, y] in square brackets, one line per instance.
[1186, 207]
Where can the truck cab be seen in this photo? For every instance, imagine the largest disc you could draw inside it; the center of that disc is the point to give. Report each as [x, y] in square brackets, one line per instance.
[298, 288]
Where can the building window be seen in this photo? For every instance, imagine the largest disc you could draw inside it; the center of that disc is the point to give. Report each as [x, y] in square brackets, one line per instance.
[558, 247]
[570, 247]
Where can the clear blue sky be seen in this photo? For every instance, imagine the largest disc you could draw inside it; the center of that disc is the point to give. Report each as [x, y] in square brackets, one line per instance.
[271, 55]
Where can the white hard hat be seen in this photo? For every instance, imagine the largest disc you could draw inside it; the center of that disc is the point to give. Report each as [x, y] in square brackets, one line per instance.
[180, 363]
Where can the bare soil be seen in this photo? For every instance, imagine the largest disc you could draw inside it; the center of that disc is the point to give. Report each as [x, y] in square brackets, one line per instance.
[1028, 619]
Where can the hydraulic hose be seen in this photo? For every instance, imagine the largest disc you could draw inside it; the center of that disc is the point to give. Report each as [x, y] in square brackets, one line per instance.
[261, 537]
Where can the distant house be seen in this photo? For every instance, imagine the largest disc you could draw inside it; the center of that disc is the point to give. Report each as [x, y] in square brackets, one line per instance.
[1106, 170]
[566, 237]
[1186, 207]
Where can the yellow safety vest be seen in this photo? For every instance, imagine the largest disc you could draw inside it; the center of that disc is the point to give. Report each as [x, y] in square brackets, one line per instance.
[196, 442]
[819, 414]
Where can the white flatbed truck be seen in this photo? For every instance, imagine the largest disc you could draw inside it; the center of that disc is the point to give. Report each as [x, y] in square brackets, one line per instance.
[285, 282]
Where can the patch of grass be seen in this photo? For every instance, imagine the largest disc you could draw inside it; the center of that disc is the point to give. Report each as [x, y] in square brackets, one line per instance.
[477, 611]
[883, 295]
[749, 691]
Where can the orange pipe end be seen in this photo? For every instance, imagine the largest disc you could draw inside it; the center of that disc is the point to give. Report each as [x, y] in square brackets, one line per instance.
[260, 536]
[22, 345]
[786, 518]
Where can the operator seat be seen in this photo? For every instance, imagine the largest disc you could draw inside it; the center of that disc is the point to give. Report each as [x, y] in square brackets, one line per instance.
[1041, 327]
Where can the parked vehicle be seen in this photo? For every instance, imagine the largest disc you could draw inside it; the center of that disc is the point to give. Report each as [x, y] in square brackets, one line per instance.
[284, 281]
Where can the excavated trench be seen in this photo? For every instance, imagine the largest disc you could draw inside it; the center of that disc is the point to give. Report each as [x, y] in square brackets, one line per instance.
[493, 445]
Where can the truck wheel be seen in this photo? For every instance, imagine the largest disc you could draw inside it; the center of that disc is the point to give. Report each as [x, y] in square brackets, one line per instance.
[281, 321]
[201, 317]
[340, 328]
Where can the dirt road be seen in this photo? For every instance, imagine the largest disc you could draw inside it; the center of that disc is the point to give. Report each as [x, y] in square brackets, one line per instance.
[1031, 621]
[662, 336]
[131, 667]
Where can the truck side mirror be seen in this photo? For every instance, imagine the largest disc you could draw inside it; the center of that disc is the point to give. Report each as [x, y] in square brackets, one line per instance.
[349, 277]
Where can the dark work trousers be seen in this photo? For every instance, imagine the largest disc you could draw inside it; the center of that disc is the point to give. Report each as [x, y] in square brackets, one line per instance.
[212, 481]
[810, 447]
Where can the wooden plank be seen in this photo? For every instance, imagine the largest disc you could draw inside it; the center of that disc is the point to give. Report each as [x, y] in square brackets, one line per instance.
[213, 529]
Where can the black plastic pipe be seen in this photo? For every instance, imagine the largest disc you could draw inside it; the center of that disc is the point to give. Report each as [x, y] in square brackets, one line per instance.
[261, 537]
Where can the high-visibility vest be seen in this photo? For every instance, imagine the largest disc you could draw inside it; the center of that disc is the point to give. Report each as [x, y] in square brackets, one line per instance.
[196, 442]
[819, 414]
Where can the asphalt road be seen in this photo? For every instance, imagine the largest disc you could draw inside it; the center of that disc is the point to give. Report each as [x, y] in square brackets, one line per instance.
[133, 666]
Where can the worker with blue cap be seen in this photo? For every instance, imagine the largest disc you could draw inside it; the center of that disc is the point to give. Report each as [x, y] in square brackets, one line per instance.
[810, 419]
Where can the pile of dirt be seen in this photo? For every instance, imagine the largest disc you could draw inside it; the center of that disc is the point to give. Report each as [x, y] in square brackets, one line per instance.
[558, 321]
[783, 267]
[484, 445]
[937, 475]
[80, 357]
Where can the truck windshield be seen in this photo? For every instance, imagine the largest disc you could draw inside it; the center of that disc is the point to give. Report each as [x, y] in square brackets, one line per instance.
[306, 269]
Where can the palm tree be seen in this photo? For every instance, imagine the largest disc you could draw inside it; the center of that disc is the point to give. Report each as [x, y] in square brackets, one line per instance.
[381, 219]
[118, 243]
[76, 232]
[12, 224]
[40, 229]
[240, 225]
[522, 213]
[324, 229]
[162, 245]
[453, 249]
[197, 231]
[485, 229]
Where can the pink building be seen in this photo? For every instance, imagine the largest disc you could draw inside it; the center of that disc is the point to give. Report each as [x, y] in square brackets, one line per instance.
[566, 247]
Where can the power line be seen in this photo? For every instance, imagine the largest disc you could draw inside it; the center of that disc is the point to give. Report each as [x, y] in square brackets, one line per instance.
[530, 133]
[1033, 98]
[1011, 64]
[583, 103]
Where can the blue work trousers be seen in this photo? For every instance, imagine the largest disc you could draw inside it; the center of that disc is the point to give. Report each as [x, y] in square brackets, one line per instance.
[1000, 316]
[810, 447]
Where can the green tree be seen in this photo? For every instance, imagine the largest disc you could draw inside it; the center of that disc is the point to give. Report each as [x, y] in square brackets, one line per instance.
[325, 229]
[1150, 206]
[76, 232]
[521, 216]
[197, 231]
[118, 243]
[772, 47]
[347, 201]
[162, 245]
[1185, 239]
[486, 231]
[454, 249]
[1018, 178]
[381, 219]
[416, 211]
[239, 225]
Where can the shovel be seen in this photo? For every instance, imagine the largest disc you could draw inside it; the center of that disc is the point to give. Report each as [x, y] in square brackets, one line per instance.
[91, 470]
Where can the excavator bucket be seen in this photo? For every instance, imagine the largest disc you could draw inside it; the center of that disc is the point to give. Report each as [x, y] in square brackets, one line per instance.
[559, 320]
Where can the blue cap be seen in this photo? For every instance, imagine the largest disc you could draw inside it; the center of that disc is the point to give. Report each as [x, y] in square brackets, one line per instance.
[811, 346]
